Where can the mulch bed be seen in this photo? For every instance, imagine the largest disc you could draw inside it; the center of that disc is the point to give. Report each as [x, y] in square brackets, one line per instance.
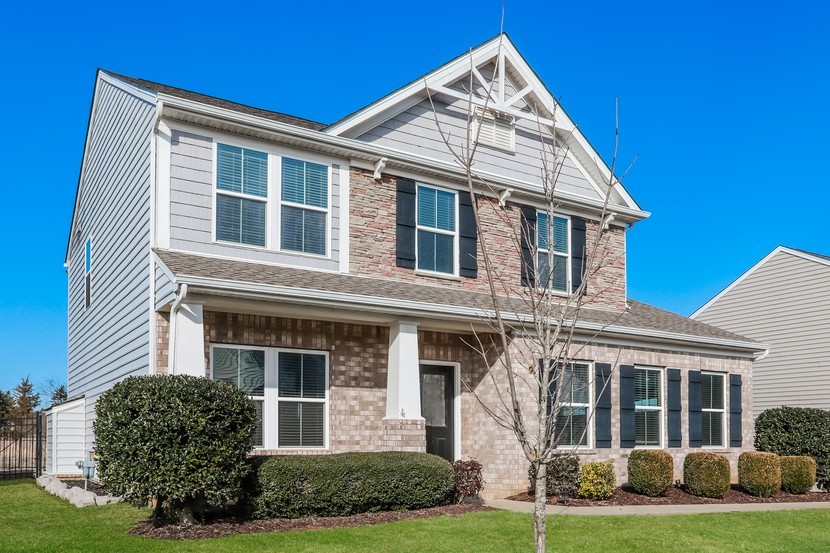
[226, 527]
[94, 486]
[678, 496]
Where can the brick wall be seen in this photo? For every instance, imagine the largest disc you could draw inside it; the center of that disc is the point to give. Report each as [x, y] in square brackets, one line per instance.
[162, 339]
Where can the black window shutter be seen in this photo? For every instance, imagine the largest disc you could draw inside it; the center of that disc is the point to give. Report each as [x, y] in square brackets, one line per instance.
[528, 237]
[674, 407]
[695, 410]
[467, 237]
[627, 435]
[735, 411]
[577, 252]
[405, 236]
[602, 410]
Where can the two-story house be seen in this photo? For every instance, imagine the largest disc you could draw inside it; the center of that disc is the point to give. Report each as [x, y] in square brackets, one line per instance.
[334, 273]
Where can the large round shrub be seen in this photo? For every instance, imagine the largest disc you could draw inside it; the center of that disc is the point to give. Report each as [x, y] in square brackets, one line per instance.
[650, 471]
[562, 475]
[706, 474]
[597, 480]
[797, 431]
[182, 440]
[347, 483]
[798, 474]
[759, 473]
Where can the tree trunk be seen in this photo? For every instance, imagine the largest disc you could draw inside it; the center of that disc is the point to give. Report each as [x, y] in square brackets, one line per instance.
[539, 508]
[183, 510]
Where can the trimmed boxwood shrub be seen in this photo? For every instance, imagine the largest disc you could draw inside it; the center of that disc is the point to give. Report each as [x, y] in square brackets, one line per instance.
[650, 471]
[706, 474]
[798, 474]
[759, 473]
[597, 480]
[562, 476]
[180, 440]
[468, 479]
[348, 483]
[797, 431]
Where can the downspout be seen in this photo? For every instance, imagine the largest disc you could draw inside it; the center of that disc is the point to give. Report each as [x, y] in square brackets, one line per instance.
[171, 339]
[763, 355]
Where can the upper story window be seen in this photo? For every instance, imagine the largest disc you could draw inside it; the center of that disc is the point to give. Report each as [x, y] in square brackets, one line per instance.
[304, 209]
[88, 273]
[494, 129]
[572, 427]
[242, 195]
[553, 252]
[648, 407]
[437, 235]
[714, 412]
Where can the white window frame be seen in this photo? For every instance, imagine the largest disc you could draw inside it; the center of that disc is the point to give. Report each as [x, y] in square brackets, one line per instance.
[661, 408]
[722, 411]
[280, 203]
[492, 117]
[271, 399]
[454, 234]
[589, 437]
[553, 253]
[266, 200]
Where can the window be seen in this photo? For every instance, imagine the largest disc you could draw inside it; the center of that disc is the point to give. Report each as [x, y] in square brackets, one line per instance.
[289, 389]
[553, 246]
[713, 386]
[572, 427]
[437, 234]
[241, 195]
[496, 130]
[305, 201]
[648, 407]
[88, 274]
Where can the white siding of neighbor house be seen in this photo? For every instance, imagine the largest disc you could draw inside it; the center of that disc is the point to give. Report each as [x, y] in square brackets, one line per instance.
[414, 130]
[110, 340]
[785, 303]
[65, 438]
[191, 207]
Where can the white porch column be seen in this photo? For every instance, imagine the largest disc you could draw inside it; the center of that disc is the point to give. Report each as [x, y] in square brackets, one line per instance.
[403, 384]
[188, 349]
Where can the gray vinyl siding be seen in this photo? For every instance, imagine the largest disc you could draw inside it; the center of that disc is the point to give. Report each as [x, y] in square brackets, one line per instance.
[110, 340]
[785, 303]
[414, 130]
[164, 287]
[191, 208]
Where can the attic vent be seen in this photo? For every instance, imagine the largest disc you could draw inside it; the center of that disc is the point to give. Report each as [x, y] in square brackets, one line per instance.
[497, 130]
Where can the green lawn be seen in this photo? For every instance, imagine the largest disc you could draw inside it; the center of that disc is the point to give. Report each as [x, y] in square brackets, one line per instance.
[32, 520]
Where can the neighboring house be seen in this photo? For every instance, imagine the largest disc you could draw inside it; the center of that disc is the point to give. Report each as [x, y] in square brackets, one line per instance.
[784, 301]
[333, 272]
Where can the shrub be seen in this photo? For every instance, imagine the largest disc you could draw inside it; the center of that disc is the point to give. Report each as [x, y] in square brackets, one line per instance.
[797, 431]
[562, 475]
[347, 483]
[759, 473]
[650, 471]
[706, 474]
[597, 480]
[181, 440]
[798, 474]
[468, 479]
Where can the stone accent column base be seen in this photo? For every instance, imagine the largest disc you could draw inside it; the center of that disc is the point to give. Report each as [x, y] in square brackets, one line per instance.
[404, 435]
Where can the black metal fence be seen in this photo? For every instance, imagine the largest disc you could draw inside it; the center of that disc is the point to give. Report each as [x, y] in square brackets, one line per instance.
[22, 446]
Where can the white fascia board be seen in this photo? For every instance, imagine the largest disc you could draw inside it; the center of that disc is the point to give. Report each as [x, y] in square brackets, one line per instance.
[426, 309]
[66, 405]
[350, 148]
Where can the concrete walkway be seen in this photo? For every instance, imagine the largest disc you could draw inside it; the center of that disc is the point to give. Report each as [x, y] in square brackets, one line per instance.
[526, 507]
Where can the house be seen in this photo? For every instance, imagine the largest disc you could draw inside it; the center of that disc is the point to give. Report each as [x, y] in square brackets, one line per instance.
[333, 272]
[794, 320]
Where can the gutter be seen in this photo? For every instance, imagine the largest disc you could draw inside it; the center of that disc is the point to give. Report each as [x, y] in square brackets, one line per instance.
[171, 340]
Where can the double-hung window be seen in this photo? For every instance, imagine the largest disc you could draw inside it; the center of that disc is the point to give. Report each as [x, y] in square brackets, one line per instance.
[574, 405]
[714, 412]
[553, 252]
[648, 407]
[304, 210]
[88, 273]
[302, 399]
[241, 195]
[245, 369]
[437, 235]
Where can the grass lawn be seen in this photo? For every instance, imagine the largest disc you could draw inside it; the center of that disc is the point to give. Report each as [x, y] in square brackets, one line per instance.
[32, 520]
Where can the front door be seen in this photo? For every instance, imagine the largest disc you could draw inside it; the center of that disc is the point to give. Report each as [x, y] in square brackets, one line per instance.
[437, 394]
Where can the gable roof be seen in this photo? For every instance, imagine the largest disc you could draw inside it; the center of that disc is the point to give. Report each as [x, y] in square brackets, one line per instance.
[803, 254]
[230, 277]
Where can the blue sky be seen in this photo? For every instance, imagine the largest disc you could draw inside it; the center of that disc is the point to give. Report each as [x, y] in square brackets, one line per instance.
[725, 103]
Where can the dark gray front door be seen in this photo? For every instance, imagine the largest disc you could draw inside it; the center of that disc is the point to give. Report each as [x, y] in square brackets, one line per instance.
[437, 393]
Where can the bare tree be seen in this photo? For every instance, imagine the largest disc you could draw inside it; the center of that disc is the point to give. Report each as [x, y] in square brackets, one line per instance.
[533, 390]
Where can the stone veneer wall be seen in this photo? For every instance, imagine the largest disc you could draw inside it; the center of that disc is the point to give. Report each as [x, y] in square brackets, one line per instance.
[372, 252]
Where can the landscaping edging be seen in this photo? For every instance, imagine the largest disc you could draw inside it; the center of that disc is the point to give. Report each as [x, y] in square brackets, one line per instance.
[76, 496]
